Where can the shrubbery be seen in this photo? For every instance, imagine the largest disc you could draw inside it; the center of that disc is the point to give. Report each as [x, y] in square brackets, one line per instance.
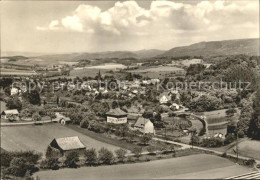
[212, 142]
[105, 156]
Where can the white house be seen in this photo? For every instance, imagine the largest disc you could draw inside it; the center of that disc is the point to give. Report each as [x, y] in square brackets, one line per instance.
[116, 116]
[144, 125]
[10, 113]
[164, 98]
[175, 106]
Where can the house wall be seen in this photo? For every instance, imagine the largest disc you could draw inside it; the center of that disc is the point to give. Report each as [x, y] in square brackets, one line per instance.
[115, 120]
[149, 128]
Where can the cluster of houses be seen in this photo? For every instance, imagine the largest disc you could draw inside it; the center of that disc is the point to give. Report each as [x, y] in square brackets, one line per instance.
[117, 116]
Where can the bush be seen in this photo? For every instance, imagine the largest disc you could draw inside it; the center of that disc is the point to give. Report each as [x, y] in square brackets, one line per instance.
[137, 151]
[6, 158]
[241, 134]
[249, 162]
[91, 157]
[120, 153]
[145, 139]
[72, 159]
[19, 167]
[194, 140]
[84, 124]
[50, 163]
[52, 152]
[105, 156]
[96, 127]
[229, 139]
[212, 142]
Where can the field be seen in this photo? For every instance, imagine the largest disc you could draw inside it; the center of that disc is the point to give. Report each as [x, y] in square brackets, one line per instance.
[249, 148]
[199, 166]
[16, 72]
[39, 137]
[87, 72]
[159, 71]
[218, 120]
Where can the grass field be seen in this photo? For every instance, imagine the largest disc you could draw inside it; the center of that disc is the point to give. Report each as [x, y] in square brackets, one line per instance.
[159, 69]
[201, 166]
[39, 137]
[16, 72]
[87, 72]
[249, 148]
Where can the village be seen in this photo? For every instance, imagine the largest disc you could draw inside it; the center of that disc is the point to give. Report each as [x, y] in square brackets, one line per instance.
[141, 118]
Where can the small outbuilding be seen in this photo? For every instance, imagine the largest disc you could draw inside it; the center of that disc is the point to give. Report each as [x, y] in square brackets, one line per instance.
[68, 144]
[12, 113]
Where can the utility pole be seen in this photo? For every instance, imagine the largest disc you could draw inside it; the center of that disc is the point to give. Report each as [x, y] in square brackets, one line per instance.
[237, 145]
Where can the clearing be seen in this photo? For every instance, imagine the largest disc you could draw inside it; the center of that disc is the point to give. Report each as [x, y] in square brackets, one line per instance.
[194, 166]
[248, 148]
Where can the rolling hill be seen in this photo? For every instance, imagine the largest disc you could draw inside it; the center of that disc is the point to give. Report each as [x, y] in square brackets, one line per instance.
[215, 48]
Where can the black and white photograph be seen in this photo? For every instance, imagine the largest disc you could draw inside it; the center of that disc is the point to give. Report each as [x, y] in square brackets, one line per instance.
[129, 89]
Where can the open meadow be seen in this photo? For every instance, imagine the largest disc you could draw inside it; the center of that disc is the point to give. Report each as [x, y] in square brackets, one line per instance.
[200, 166]
[31, 137]
[249, 148]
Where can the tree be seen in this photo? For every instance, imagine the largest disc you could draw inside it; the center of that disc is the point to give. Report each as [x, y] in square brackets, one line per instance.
[120, 153]
[72, 159]
[230, 112]
[137, 151]
[19, 166]
[105, 156]
[36, 117]
[84, 124]
[194, 140]
[14, 103]
[52, 152]
[33, 97]
[91, 157]
[146, 138]
[50, 163]
[114, 104]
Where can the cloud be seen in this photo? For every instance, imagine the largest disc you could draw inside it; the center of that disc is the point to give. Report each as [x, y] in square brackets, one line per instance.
[127, 18]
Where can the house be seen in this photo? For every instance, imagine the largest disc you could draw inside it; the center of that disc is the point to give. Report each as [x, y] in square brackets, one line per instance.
[61, 119]
[13, 113]
[164, 98]
[175, 106]
[116, 116]
[14, 91]
[144, 125]
[68, 144]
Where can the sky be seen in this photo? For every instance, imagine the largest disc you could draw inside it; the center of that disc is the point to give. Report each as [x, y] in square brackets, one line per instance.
[94, 26]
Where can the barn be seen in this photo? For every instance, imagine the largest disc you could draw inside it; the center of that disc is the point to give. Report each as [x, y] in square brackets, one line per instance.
[68, 144]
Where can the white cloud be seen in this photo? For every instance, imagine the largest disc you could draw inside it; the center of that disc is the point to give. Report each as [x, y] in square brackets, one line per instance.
[128, 17]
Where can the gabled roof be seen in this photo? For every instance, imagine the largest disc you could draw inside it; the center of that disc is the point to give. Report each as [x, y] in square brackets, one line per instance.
[69, 143]
[11, 111]
[116, 112]
[141, 122]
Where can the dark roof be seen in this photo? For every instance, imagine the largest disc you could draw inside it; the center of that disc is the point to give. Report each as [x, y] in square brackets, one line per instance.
[116, 112]
[69, 143]
[141, 122]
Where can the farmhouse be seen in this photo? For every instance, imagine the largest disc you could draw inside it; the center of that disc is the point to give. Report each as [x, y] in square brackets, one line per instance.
[116, 116]
[10, 113]
[61, 119]
[144, 125]
[68, 144]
